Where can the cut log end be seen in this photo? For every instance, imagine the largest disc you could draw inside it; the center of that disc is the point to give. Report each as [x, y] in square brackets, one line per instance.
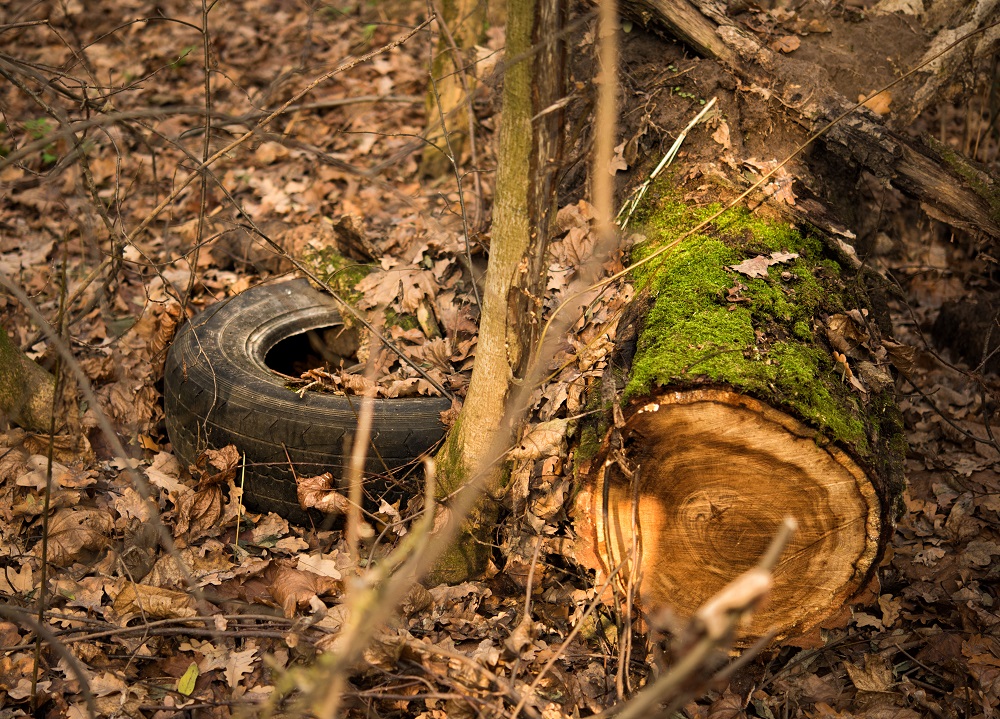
[715, 473]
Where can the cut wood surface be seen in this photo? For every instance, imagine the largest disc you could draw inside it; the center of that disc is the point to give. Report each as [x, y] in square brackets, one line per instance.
[719, 472]
[756, 387]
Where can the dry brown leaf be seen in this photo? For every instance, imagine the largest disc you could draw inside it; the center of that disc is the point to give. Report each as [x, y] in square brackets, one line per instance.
[417, 599]
[438, 353]
[142, 600]
[844, 333]
[874, 676]
[542, 440]
[62, 476]
[165, 472]
[217, 466]
[130, 504]
[757, 266]
[293, 588]
[323, 566]
[576, 215]
[617, 163]
[417, 285]
[411, 285]
[9, 634]
[902, 356]
[879, 104]
[19, 581]
[318, 493]
[270, 152]
[786, 44]
[75, 531]
[890, 607]
[272, 525]
[168, 318]
[239, 663]
[721, 135]
[577, 247]
[728, 706]
[199, 513]
[410, 387]
[107, 683]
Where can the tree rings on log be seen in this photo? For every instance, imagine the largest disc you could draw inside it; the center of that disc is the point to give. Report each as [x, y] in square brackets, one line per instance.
[755, 386]
[715, 474]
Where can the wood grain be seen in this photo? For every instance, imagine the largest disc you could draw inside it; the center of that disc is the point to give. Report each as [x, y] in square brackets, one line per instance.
[717, 474]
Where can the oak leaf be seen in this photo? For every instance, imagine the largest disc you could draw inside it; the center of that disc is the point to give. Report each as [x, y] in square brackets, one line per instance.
[318, 493]
[75, 531]
[293, 588]
[757, 266]
[786, 44]
[142, 600]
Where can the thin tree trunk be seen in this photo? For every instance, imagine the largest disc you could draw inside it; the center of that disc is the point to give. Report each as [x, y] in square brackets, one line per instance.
[449, 99]
[524, 209]
[26, 389]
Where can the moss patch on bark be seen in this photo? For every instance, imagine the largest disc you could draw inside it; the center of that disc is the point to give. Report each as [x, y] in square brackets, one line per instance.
[710, 323]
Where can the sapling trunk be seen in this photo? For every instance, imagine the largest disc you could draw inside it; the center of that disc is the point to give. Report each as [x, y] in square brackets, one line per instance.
[26, 389]
[524, 208]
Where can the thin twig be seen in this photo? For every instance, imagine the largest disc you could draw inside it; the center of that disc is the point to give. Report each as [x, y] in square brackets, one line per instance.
[566, 642]
[16, 615]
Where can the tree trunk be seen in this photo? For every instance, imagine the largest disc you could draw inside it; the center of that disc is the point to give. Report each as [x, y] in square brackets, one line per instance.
[524, 208]
[449, 99]
[751, 393]
[26, 390]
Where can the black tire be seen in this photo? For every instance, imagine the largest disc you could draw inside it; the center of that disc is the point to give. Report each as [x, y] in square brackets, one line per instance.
[218, 391]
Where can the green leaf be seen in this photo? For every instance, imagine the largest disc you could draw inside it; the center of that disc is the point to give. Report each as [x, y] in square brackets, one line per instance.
[185, 685]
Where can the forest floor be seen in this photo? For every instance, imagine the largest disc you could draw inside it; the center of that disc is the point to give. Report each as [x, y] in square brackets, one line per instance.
[342, 163]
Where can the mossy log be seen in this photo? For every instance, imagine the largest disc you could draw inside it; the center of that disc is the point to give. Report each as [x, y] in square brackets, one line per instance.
[956, 189]
[746, 399]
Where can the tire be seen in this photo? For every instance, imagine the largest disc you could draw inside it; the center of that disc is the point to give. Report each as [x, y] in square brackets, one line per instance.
[218, 391]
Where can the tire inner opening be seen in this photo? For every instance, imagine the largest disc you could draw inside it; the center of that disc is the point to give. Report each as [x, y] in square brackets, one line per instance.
[333, 347]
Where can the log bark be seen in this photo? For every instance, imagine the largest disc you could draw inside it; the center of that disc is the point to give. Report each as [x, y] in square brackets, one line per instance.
[956, 189]
[739, 411]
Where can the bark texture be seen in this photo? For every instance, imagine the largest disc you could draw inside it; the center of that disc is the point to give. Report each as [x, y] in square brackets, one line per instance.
[26, 390]
[453, 67]
[524, 209]
[957, 189]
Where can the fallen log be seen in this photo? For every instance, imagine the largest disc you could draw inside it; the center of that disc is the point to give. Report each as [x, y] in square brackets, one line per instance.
[755, 386]
[954, 189]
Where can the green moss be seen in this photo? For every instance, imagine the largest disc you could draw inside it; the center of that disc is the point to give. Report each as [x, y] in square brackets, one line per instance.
[451, 471]
[589, 444]
[342, 275]
[336, 271]
[988, 192]
[404, 321]
[710, 323]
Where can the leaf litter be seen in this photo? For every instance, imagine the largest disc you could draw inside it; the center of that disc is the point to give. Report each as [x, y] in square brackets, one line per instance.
[924, 643]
